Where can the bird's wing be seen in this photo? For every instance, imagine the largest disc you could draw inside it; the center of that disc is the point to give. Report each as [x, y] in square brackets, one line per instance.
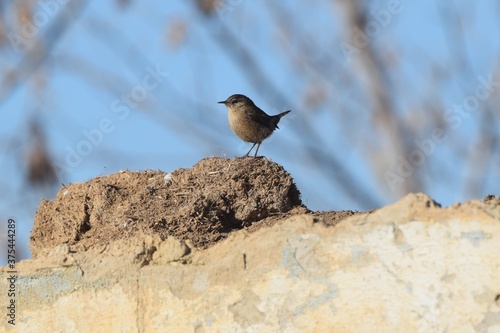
[259, 116]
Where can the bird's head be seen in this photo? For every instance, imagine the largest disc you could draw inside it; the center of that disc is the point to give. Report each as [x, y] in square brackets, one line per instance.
[236, 101]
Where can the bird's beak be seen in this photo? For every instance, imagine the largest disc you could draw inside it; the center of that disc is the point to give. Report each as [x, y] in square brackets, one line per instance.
[222, 102]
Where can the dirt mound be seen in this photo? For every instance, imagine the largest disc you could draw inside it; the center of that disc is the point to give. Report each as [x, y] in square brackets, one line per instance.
[202, 204]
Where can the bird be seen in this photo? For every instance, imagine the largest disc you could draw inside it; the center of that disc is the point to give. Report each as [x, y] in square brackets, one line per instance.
[249, 122]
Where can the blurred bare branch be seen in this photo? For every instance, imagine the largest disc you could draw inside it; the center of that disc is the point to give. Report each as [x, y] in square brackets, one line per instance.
[35, 49]
[40, 171]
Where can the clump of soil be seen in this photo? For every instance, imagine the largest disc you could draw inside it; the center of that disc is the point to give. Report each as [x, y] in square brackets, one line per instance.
[202, 204]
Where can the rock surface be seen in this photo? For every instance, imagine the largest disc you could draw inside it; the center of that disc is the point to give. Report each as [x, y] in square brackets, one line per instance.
[408, 267]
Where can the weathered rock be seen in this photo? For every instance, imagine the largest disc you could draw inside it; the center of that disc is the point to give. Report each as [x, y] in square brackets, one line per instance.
[408, 267]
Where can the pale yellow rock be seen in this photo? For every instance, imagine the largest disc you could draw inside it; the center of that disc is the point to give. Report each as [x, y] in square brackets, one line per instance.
[408, 267]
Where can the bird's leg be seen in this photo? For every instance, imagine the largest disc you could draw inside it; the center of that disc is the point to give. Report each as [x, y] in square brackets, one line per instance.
[257, 150]
[248, 152]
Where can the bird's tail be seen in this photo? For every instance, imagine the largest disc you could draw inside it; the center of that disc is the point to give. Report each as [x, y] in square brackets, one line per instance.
[283, 114]
[278, 117]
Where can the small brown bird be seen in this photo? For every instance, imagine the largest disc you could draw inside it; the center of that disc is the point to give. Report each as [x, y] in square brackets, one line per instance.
[249, 122]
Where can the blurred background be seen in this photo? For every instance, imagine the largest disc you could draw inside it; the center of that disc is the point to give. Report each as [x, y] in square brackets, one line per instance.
[387, 97]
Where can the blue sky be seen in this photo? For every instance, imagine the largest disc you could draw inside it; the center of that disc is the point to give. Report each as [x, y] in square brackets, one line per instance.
[108, 51]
